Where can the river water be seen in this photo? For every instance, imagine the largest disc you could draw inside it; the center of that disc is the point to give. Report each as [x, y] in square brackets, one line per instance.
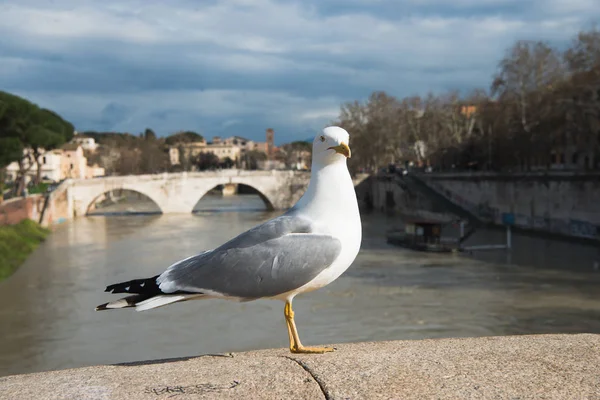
[47, 317]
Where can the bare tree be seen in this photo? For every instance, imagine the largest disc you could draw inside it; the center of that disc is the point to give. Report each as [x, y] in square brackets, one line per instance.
[541, 103]
[527, 77]
[584, 53]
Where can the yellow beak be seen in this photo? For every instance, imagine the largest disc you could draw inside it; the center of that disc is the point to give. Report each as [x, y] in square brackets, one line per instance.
[342, 149]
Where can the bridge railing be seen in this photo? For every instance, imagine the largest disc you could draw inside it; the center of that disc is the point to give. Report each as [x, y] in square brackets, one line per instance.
[225, 173]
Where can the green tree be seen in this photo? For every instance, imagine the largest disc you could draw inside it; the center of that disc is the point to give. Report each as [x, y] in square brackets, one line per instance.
[226, 163]
[206, 161]
[23, 125]
[183, 137]
[149, 134]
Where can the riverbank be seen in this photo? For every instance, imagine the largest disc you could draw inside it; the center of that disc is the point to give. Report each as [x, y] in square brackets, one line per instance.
[523, 367]
[562, 205]
[16, 243]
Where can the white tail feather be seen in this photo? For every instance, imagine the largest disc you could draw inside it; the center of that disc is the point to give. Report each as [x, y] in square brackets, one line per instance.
[162, 300]
[121, 303]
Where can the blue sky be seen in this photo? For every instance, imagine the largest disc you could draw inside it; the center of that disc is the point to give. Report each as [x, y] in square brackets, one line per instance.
[241, 66]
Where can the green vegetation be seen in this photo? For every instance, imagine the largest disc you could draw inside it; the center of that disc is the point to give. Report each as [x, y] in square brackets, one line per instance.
[41, 187]
[24, 125]
[183, 137]
[16, 243]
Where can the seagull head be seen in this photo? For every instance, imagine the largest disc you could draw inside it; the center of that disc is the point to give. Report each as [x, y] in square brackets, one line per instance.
[331, 146]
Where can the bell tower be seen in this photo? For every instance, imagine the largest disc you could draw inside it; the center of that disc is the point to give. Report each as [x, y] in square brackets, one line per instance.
[270, 142]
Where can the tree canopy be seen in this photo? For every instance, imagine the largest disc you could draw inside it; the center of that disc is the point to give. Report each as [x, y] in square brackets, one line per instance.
[183, 137]
[25, 125]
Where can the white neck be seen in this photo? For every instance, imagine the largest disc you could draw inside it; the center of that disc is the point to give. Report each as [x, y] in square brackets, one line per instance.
[331, 187]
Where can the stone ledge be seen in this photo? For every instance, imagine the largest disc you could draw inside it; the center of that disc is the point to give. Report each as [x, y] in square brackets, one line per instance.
[510, 367]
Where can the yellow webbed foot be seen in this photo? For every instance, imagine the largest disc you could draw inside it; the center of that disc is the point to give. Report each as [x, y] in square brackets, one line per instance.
[311, 350]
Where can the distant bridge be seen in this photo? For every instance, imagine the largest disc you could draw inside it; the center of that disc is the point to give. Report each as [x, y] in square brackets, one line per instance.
[179, 192]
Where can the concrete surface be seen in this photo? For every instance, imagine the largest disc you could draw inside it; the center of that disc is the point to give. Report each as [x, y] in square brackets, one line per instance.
[512, 367]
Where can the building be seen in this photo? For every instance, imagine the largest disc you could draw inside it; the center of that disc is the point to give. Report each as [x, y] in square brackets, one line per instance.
[270, 136]
[233, 147]
[174, 156]
[94, 171]
[50, 166]
[74, 162]
[247, 144]
[87, 143]
[468, 110]
[192, 150]
[223, 151]
[241, 142]
[56, 165]
[262, 147]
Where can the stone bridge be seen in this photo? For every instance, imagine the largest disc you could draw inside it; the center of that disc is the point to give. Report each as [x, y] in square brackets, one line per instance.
[179, 192]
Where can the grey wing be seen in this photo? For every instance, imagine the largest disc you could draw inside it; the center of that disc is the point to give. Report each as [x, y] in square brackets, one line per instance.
[276, 257]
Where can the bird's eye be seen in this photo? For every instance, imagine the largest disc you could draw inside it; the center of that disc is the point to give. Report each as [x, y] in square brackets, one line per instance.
[322, 138]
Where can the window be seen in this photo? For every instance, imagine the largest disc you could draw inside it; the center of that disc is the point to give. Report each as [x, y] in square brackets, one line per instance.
[44, 160]
[71, 166]
[587, 162]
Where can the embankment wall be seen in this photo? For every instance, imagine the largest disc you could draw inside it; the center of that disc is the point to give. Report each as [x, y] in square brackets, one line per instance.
[559, 203]
[16, 210]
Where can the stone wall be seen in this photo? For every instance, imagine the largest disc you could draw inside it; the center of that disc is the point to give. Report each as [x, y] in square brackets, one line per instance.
[561, 203]
[388, 194]
[510, 367]
[16, 210]
[59, 207]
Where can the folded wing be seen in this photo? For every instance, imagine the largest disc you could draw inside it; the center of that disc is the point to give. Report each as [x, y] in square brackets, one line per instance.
[270, 259]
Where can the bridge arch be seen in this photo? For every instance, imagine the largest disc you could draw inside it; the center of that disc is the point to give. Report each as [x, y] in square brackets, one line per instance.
[94, 195]
[266, 200]
[179, 192]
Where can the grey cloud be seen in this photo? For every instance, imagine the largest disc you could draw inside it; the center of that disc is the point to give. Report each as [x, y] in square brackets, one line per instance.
[129, 65]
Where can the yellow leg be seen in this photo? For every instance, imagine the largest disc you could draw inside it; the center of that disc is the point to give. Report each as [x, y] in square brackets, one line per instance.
[290, 334]
[295, 344]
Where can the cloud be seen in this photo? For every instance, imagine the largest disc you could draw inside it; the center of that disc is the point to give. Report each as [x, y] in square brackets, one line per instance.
[237, 67]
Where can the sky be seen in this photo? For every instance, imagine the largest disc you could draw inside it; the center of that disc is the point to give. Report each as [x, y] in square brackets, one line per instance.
[239, 67]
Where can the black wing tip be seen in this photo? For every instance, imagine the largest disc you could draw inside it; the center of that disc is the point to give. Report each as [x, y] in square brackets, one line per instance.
[101, 307]
[136, 286]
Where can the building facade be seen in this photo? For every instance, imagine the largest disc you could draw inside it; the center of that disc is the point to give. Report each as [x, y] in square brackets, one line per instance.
[56, 165]
[86, 143]
[233, 147]
[192, 150]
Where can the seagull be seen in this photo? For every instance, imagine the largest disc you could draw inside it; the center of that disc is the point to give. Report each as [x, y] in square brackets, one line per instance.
[303, 250]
